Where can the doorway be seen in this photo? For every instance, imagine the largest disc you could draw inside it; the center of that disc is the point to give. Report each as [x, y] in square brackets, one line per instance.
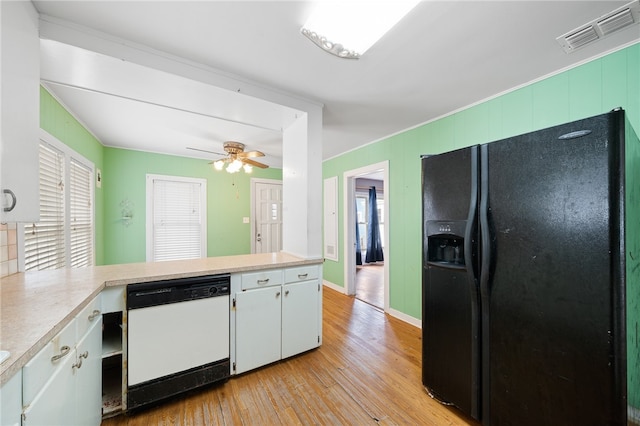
[369, 281]
[266, 216]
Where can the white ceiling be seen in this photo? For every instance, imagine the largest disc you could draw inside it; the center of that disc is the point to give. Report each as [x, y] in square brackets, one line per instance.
[443, 56]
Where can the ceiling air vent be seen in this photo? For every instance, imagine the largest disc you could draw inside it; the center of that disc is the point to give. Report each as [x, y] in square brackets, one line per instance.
[616, 21]
[601, 27]
[579, 38]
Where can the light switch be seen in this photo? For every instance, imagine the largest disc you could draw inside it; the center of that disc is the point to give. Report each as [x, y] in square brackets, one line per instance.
[245, 220]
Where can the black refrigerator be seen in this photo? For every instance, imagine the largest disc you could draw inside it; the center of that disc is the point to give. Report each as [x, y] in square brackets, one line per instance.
[525, 274]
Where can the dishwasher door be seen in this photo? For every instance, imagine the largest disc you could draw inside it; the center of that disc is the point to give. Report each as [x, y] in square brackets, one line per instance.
[171, 338]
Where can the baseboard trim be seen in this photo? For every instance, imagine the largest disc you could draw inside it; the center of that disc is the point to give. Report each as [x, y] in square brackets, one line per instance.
[335, 287]
[406, 318]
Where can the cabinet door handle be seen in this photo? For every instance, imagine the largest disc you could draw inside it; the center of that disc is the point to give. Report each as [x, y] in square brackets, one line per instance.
[303, 276]
[78, 364]
[277, 294]
[94, 314]
[64, 351]
[266, 280]
[286, 293]
[13, 200]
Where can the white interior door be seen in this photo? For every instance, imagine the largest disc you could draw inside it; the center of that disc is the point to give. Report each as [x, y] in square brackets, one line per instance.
[267, 216]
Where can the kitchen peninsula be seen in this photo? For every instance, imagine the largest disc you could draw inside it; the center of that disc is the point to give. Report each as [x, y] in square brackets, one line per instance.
[37, 306]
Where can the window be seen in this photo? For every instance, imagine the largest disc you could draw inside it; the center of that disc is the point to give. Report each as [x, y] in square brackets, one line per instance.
[80, 215]
[362, 213]
[176, 218]
[64, 235]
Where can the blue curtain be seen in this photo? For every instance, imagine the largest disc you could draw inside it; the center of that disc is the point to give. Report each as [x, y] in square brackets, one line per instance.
[358, 248]
[374, 246]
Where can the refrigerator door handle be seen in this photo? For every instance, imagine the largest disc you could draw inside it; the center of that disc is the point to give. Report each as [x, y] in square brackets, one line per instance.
[485, 270]
[470, 240]
[485, 234]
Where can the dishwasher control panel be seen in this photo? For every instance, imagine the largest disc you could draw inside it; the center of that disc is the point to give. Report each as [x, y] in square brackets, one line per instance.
[142, 295]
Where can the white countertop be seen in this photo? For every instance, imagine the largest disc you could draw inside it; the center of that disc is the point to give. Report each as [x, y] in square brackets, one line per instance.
[35, 306]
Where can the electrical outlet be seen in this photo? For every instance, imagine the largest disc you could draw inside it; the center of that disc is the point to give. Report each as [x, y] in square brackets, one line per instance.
[245, 220]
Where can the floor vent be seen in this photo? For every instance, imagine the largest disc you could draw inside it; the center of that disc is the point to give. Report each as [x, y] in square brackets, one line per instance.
[601, 27]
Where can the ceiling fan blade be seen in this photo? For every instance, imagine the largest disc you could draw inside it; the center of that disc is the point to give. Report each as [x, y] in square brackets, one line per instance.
[254, 163]
[250, 154]
[204, 150]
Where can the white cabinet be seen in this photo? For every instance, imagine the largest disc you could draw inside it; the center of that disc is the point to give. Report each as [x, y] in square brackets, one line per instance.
[277, 315]
[62, 383]
[54, 404]
[258, 327]
[300, 317]
[11, 401]
[301, 310]
[20, 119]
[88, 371]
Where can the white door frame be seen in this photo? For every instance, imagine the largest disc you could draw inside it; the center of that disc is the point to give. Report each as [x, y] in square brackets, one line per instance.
[349, 193]
[252, 221]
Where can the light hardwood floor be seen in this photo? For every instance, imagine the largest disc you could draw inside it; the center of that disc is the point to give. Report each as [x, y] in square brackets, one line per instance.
[370, 284]
[367, 371]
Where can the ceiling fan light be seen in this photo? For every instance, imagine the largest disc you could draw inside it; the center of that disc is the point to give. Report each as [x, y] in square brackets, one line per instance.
[247, 168]
[234, 166]
[218, 165]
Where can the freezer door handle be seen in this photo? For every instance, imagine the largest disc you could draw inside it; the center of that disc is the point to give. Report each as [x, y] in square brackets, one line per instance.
[485, 234]
[485, 271]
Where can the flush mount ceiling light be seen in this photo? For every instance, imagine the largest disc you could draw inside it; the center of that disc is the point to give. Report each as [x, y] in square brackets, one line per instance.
[601, 27]
[347, 29]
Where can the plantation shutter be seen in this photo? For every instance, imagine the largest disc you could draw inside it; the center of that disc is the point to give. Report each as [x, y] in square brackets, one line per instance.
[177, 220]
[80, 215]
[44, 241]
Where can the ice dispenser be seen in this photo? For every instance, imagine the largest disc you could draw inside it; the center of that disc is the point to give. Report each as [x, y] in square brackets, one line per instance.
[445, 243]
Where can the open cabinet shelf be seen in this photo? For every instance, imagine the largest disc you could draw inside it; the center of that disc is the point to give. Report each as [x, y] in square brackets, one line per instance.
[112, 364]
[112, 385]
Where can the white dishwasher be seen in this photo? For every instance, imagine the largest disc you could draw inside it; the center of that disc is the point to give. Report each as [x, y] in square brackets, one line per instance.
[177, 336]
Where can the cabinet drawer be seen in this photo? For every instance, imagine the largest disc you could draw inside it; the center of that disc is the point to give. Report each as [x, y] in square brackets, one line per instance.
[261, 279]
[302, 273]
[88, 316]
[37, 372]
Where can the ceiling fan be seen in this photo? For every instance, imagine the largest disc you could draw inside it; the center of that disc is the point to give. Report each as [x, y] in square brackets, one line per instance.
[235, 158]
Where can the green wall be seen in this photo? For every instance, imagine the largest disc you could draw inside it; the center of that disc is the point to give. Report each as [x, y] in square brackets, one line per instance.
[228, 201]
[58, 122]
[632, 226]
[590, 89]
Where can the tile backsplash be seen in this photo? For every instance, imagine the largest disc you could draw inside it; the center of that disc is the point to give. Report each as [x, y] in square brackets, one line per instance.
[8, 249]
